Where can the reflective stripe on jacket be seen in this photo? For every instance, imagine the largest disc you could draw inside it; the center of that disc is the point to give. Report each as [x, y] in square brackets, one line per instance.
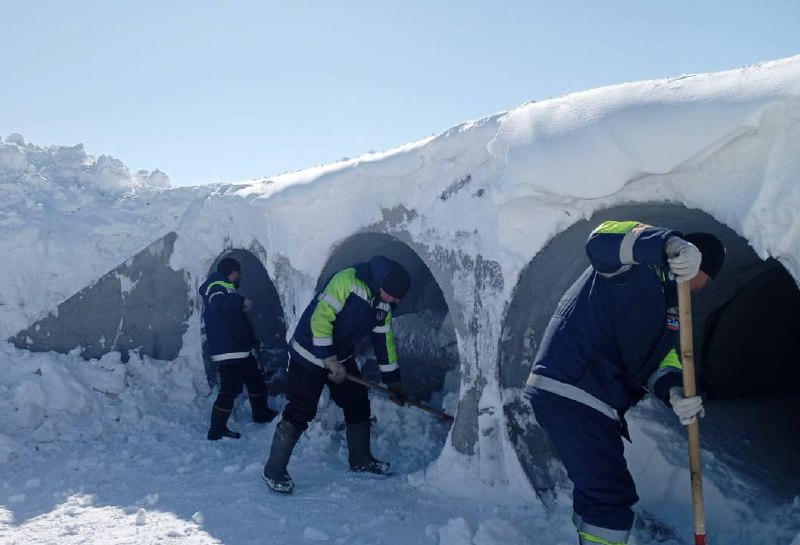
[347, 310]
[229, 335]
[615, 330]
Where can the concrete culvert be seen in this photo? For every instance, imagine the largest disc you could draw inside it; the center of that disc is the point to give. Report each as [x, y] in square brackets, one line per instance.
[140, 306]
[267, 319]
[746, 325]
[426, 345]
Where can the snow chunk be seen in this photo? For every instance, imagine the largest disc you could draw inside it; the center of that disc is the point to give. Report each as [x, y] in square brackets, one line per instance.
[455, 532]
[15, 138]
[315, 535]
[31, 405]
[497, 532]
[12, 159]
[151, 179]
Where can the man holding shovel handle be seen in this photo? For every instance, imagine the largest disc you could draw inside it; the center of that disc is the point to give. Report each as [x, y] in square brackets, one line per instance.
[613, 338]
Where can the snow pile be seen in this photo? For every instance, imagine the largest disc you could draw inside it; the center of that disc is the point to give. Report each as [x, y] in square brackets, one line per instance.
[70, 168]
[49, 397]
[67, 218]
[478, 202]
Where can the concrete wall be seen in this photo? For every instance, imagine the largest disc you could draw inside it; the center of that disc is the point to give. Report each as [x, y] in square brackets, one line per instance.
[141, 305]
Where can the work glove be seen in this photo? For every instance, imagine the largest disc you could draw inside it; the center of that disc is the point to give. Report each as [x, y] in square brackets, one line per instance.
[687, 408]
[683, 258]
[397, 395]
[247, 305]
[336, 371]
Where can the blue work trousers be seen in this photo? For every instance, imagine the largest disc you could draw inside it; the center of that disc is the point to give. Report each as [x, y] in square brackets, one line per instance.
[589, 444]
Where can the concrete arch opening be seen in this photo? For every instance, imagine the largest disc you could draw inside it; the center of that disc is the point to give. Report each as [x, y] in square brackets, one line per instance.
[267, 319]
[747, 342]
[425, 337]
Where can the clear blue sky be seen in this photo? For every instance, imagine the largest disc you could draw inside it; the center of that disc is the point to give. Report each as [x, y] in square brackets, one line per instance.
[229, 90]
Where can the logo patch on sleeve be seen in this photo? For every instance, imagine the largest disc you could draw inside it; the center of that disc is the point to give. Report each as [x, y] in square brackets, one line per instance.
[673, 319]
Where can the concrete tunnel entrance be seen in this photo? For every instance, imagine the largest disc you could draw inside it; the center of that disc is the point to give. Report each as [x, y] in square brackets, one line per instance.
[267, 319]
[747, 345]
[424, 333]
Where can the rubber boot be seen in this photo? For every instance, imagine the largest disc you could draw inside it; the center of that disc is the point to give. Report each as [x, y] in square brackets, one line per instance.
[275, 474]
[219, 428]
[360, 453]
[262, 413]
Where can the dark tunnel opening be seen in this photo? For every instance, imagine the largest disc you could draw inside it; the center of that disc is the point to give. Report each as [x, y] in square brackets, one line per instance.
[267, 319]
[746, 346]
[424, 333]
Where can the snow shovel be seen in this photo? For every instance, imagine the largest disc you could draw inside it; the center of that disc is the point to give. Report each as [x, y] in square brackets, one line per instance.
[693, 429]
[358, 380]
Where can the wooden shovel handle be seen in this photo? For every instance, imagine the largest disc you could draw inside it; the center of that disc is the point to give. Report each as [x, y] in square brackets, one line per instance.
[358, 380]
[693, 429]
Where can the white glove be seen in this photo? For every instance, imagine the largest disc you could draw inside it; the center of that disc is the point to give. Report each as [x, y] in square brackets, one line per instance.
[683, 257]
[687, 408]
[338, 373]
[247, 305]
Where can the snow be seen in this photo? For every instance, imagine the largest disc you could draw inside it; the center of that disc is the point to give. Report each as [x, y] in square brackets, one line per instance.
[150, 475]
[104, 452]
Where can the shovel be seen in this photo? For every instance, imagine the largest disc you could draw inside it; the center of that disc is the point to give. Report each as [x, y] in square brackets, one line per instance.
[693, 429]
[358, 380]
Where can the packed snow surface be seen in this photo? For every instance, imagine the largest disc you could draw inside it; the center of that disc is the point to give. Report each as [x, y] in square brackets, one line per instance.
[106, 452]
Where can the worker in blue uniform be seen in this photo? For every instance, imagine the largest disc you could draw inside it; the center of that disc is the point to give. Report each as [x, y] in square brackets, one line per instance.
[613, 338]
[231, 341]
[355, 303]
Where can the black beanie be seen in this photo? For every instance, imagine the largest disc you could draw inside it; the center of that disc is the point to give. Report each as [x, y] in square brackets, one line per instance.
[712, 249]
[397, 282]
[226, 266]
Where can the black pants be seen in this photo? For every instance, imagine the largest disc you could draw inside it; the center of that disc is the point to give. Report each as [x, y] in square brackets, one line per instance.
[235, 373]
[305, 387]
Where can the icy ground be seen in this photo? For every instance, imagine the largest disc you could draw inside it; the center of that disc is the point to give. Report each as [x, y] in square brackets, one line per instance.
[119, 456]
[127, 461]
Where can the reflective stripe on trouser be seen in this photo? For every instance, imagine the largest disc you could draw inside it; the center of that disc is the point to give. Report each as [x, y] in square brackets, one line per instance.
[233, 376]
[592, 535]
[590, 446]
[230, 356]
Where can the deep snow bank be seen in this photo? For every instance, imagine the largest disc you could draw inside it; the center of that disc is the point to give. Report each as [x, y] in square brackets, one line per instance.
[67, 218]
[477, 204]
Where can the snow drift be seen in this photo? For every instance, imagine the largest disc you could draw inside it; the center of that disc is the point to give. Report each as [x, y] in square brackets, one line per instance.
[490, 218]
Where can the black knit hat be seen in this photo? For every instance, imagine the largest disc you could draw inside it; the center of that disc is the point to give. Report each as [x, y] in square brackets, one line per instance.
[712, 249]
[397, 282]
[226, 266]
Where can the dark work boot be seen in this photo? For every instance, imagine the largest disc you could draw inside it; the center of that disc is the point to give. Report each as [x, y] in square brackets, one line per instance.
[219, 428]
[358, 445]
[262, 413]
[275, 474]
